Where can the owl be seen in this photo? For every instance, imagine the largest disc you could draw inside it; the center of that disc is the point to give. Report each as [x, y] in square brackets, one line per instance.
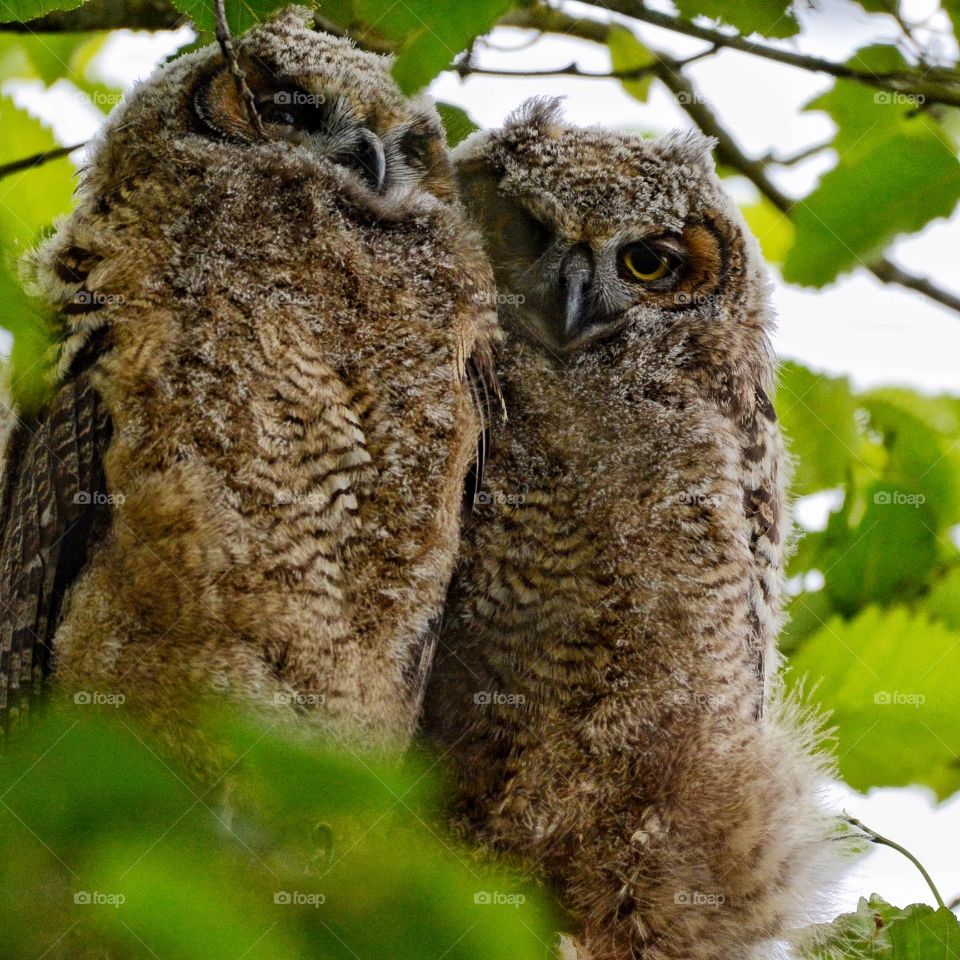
[602, 689]
[249, 479]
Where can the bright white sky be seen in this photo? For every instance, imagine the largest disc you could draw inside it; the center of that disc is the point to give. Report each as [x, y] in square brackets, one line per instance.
[872, 332]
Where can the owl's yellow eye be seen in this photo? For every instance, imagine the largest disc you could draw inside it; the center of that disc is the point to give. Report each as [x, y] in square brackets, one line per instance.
[639, 262]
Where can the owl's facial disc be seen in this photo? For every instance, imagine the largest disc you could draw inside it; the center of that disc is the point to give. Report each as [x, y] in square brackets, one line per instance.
[380, 153]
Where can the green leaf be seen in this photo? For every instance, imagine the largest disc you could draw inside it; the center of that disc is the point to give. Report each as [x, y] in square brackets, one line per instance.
[772, 228]
[31, 199]
[865, 202]
[895, 173]
[430, 33]
[919, 436]
[806, 614]
[456, 122]
[889, 679]
[426, 34]
[856, 556]
[772, 18]
[818, 415]
[27, 10]
[943, 601]
[628, 53]
[241, 14]
[879, 930]
[30, 356]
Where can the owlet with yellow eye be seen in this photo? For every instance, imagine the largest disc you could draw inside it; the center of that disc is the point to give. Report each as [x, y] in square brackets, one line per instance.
[604, 686]
[250, 477]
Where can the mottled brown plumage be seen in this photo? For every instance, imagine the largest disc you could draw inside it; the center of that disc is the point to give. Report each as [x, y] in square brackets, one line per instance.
[250, 477]
[600, 683]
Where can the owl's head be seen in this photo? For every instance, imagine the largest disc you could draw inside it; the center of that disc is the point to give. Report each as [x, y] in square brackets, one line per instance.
[314, 93]
[596, 235]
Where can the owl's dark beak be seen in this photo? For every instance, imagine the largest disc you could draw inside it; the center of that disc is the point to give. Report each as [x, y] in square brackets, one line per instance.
[576, 275]
[368, 158]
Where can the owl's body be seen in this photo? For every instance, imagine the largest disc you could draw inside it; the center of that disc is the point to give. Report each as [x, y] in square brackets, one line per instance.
[599, 681]
[263, 377]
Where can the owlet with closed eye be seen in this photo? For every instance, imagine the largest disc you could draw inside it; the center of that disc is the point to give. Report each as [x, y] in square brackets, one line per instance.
[602, 686]
[251, 474]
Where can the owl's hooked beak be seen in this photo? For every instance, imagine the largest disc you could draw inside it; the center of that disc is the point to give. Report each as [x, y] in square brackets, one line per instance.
[576, 276]
[368, 157]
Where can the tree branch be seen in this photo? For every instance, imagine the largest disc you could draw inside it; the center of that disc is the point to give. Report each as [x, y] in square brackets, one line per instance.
[236, 71]
[729, 153]
[944, 89]
[105, 15]
[37, 160]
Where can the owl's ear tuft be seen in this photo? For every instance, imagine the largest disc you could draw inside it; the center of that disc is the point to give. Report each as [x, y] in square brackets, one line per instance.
[297, 17]
[690, 147]
[542, 113]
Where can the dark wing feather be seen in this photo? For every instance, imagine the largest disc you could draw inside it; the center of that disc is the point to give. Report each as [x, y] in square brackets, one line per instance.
[762, 507]
[54, 507]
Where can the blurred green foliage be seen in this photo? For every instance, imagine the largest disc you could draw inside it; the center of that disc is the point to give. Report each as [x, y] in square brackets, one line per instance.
[299, 852]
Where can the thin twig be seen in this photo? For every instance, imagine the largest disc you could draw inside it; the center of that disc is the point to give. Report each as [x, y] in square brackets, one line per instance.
[795, 158]
[465, 68]
[236, 71]
[37, 159]
[878, 838]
